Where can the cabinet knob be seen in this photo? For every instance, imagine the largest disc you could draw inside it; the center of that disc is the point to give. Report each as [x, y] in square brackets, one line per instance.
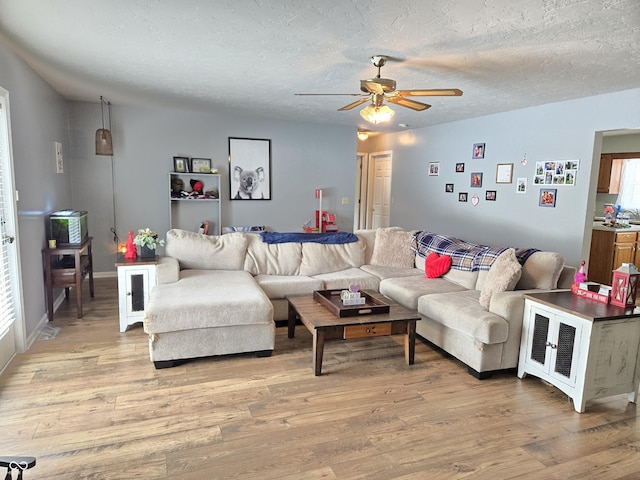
[552, 345]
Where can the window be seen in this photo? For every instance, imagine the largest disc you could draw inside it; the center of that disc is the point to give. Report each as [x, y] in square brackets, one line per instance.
[629, 196]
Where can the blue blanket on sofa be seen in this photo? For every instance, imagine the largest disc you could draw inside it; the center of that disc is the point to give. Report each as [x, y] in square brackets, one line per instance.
[300, 237]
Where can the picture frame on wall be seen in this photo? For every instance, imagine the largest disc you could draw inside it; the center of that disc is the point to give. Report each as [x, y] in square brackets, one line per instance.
[448, 187]
[476, 179]
[462, 196]
[547, 197]
[459, 167]
[521, 185]
[200, 165]
[478, 150]
[434, 168]
[181, 164]
[249, 169]
[504, 173]
[490, 195]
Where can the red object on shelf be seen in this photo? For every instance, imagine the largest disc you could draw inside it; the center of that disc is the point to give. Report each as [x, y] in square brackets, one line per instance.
[131, 252]
[598, 297]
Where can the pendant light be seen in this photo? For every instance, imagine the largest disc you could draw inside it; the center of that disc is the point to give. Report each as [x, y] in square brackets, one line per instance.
[104, 143]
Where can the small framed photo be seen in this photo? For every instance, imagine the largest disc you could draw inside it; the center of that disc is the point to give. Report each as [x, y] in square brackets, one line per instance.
[547, 197]
[200, 165]
[476, 179]
[478, 150]
[504, 173]
[462, 196]
[521, 185]
[448, 187]
[459, 167]
[181, 164]
[434, 168]
[490, 195]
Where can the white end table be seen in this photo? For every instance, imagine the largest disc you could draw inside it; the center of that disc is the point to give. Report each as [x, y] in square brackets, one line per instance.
[584, 348]
[136, 278]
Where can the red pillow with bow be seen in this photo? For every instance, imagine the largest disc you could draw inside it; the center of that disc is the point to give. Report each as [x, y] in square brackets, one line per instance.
[435, 266]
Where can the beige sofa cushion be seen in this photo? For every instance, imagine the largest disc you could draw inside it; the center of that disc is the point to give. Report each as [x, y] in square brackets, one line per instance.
[462, 311]
[392, 248]
[279, 286]
[541, 270]
[503, 276]
[345, 278]
[369, 239]
[272, 259]
[407, 290]
[194, 250]
[207, 299]
[320, 258]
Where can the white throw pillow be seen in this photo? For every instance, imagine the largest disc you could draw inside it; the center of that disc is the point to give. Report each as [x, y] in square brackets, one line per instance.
[502, 276]
[392, 248]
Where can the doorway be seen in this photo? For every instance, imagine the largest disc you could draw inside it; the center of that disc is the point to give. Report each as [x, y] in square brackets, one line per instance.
[12, 336]
[373, 190]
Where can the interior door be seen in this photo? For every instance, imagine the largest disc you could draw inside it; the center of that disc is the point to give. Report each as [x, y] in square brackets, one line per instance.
[12, 337]
[381, 194]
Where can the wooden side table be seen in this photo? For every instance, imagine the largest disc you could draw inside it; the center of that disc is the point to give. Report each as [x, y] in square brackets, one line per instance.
[136, 278]
[584, 348]
[66, 267]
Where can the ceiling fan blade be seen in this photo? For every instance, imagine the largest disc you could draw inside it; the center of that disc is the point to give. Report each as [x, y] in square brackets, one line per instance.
[372, 87]
[331, 94]
[442, 92]
[354, 104]
[407, 102]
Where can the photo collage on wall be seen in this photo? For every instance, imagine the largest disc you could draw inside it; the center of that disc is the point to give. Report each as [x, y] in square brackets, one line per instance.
[559, 172]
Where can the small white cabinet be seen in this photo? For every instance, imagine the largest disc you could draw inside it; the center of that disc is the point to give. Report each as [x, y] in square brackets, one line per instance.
[584, 348]
[136, 278]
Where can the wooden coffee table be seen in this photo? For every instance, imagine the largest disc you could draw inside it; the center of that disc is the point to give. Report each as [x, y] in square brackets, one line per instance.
[324, 325]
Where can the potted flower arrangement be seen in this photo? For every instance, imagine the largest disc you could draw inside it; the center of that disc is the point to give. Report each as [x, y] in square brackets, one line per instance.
[148, 241]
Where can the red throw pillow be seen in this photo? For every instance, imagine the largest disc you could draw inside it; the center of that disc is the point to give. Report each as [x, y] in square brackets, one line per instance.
[435, 266]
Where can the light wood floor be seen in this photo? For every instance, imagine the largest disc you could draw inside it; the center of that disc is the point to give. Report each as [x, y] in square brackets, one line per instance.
[89, 404]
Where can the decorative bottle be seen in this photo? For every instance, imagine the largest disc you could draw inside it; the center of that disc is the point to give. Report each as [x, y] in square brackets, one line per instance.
[131, 251]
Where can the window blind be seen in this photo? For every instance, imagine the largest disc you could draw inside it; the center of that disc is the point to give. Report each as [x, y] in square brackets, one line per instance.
[7, 307]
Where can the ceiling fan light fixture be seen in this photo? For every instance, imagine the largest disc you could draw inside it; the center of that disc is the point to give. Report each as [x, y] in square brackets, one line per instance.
[377, 114]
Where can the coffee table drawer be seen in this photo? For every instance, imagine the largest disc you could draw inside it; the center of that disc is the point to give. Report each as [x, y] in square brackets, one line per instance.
[370, 330]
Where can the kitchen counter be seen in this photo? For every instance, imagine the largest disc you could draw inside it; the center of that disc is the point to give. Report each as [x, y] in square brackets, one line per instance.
[599, 225]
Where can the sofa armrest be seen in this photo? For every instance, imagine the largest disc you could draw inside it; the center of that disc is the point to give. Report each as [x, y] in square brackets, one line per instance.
[567, 275]
[167, 270]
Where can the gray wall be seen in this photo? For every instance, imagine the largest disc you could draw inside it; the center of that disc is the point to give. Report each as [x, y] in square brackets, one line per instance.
[305, 156]
[38, 119]
[561, 131]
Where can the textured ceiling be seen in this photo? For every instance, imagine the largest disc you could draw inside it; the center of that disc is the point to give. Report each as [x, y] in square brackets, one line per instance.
[253, 56]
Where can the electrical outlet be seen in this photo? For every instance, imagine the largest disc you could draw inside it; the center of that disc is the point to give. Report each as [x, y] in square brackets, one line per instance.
[345, 200]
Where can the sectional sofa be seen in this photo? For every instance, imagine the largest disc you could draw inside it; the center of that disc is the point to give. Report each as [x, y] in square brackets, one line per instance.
[219, 295]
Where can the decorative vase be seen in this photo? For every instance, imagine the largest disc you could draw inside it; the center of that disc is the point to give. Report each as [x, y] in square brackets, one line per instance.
[131, 252]
[146, 252]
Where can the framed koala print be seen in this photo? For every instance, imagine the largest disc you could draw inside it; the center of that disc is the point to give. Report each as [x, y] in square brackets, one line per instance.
[249, 169]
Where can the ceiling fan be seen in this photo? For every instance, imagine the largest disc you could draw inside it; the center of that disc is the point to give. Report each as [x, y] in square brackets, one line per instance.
[377, 89]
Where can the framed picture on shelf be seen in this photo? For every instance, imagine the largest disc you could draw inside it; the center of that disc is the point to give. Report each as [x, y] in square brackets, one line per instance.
[547, 197]
[504, 173]
[200, 165]
[181, 164]
[249, 169]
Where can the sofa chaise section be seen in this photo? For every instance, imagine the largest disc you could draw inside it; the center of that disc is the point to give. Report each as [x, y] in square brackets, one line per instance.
[206, 313]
